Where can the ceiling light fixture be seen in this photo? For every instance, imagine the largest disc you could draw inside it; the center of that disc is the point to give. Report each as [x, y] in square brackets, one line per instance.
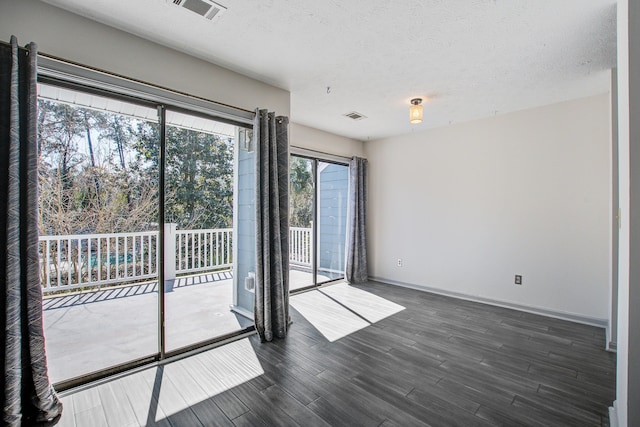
[415, 111]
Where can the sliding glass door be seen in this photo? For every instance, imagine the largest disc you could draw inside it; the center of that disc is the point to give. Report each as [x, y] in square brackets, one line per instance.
[318, 212]
[147, 230]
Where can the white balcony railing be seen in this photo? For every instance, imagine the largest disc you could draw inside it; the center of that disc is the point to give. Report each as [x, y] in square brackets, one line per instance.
[88, 260]
[74, 261]
[201, 250]
[300, 244]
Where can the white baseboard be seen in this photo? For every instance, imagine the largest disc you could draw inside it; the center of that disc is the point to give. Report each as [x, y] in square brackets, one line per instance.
[613, 415]
[572, 317]
[612, 344]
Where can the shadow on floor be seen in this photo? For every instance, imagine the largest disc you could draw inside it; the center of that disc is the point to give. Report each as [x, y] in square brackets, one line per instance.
[64, 301]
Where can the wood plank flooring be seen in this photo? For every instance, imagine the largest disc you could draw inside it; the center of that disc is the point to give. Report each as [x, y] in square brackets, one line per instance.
[438, 362]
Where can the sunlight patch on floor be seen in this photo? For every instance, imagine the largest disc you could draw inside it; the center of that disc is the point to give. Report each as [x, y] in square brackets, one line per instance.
[330, 318]
[370, 306]
[339, 310]
[150, 396]
[207, 374]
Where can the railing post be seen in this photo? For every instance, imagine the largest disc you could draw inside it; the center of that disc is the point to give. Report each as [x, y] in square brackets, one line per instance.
[169, 256]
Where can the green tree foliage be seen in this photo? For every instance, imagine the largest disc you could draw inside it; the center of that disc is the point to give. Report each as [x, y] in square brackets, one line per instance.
[98, 173]
[300, 193]
[198, 176]
[200, 167]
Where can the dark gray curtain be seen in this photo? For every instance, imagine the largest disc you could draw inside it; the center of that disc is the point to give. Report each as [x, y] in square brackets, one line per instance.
[356, 266]
[271, 310]
[28, 398]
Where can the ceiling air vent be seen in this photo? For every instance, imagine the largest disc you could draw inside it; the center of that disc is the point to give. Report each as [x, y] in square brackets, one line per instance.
[355, 116]
[206, 8]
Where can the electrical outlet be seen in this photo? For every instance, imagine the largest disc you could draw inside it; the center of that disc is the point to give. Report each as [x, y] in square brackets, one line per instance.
[399, 262]
[518, 279]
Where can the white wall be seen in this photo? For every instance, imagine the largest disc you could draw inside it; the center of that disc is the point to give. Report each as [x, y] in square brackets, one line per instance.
[612, 337]
[469, 206]
[627, 405]
[622, 366]
[314, 139]
[71, 37]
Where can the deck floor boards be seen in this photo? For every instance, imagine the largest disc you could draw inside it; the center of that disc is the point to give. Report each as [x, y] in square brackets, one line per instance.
[438, 362]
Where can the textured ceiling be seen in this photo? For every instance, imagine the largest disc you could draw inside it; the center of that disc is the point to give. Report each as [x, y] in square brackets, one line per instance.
[468, 58]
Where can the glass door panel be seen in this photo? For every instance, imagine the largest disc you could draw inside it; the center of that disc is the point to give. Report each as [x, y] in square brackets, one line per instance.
[333, 186]
[317, 221]
[199, 212]
[98, 184]
[301, 214]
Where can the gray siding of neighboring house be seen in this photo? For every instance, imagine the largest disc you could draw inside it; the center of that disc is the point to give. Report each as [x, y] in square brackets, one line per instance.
[332, 217]
[246, 227]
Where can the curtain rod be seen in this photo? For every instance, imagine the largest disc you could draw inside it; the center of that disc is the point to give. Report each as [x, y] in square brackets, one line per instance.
[308, 150]
[8, 44]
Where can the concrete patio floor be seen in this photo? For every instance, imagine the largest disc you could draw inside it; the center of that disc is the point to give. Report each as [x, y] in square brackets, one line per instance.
[90, 331]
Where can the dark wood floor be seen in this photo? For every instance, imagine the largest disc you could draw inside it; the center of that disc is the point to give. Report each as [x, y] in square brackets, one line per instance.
[439, 362]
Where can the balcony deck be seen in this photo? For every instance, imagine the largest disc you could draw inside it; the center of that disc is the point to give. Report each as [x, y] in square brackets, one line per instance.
[90, 331]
